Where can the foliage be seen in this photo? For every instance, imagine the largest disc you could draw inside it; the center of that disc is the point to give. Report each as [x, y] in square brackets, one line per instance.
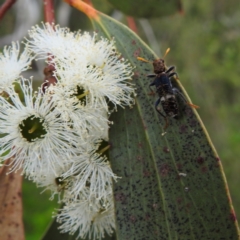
[204, 47]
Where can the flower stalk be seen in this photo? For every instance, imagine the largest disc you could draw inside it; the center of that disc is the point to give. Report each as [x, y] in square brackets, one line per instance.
[5, 7]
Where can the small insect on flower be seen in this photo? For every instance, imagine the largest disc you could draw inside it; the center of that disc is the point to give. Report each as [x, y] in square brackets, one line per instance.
[166, 92]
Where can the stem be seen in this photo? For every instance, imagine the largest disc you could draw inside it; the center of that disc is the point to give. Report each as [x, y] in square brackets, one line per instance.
[11, 190]
[91, 12]
[50, 18]
[89, 2]
[49, 78]
[5, 6]
[49, 11]
[132, 24]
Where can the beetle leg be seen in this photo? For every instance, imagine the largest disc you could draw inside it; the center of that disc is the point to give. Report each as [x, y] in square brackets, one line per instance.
[151, 75]
[166, 119]
[170, 69]
[151, 84]
[172, 74]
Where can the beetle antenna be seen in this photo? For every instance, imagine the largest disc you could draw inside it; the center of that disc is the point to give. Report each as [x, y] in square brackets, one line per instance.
[193, 105]
[166, 53]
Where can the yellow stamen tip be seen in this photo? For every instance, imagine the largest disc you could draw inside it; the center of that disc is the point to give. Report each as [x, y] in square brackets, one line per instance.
[142, 59]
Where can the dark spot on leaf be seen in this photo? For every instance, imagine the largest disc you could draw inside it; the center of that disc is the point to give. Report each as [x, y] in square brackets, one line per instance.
[136, 74]
[147, 217]
[166, 150]
[179, 166]
[164, 170]
[183, 129]
[139, 158]
[146, 173]
[137, 53]
[120, 197]
[133, 219]
[188, 206]
[133, 42]
[200, 160]
[193, 123]
[204, 169]
[140, 145]
[128, 122]
[179, 200]
[155, 206]
[233, 216]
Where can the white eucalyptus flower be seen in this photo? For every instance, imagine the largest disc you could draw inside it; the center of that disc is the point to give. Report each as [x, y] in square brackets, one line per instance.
[55, 41]
[33, 134]
[54, 183]
[82, 60]
[75, 106]
[90, 169]
[12, 63]
[89, 220]
[102, 87]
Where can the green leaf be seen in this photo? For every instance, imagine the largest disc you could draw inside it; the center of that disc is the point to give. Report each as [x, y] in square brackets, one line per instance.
[172, 185]
[147, 9]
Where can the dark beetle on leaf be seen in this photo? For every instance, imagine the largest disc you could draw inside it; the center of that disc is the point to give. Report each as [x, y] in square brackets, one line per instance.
[166, 92]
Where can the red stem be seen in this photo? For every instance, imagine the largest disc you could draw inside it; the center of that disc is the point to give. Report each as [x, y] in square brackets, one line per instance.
[89, 2]
[132, 24]
[49, 11]
[5, 6]
[49, 70]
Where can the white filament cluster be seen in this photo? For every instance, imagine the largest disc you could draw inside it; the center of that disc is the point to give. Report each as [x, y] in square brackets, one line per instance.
[65, 155]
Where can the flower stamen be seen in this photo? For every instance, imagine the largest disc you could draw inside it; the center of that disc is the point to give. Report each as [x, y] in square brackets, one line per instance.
[34, 127]
[104, 149]
[82, 95]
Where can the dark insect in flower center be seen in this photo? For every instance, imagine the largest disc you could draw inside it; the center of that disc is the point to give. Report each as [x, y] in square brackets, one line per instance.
[33, 128]
[81, 94]
[61, 183]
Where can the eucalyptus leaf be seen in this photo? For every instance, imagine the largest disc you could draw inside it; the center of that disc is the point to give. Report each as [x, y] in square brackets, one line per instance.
[172, 185]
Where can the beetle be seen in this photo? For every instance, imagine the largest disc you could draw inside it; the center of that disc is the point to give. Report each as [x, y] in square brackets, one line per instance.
[167, 94]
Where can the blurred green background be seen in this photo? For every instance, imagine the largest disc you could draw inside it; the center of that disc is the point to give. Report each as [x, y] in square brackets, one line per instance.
[205, 45]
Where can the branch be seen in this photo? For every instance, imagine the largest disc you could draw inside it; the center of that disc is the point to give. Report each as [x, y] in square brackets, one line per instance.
[11, 209]
[49, 11]
[132, 24]
[7, 5]
[49, 70]
[89, 2]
